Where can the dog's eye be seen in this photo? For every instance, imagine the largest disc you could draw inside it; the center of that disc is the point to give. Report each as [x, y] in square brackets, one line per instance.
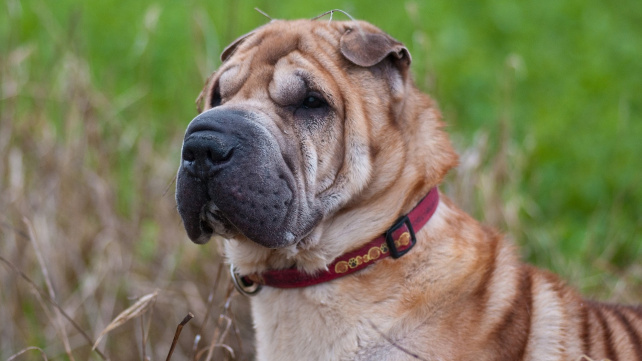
[313, 101]
[215, 100]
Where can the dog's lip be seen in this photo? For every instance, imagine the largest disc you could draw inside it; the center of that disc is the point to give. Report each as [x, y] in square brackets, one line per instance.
[205, 234]
[199, 231]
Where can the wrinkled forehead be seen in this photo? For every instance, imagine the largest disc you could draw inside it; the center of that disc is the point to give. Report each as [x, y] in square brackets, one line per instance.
[278, 38]
[289, 58]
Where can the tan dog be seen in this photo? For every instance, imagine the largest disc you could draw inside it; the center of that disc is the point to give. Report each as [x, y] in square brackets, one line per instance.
[313, 143]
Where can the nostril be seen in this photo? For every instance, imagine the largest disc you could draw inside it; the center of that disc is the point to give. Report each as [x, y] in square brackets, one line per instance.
[205, 152]
[188, 155]
[219, 155]
[217, 152]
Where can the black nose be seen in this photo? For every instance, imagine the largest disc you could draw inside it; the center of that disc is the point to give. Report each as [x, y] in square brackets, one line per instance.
[206, 151]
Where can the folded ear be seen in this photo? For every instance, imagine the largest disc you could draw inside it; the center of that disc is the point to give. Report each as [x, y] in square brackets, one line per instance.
[229, 50]
[366, 49]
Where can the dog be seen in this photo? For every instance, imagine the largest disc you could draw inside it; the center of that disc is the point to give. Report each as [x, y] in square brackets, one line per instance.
[318, 161]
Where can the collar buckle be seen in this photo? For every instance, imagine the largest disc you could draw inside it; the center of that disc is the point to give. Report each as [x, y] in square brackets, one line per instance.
[390, 240]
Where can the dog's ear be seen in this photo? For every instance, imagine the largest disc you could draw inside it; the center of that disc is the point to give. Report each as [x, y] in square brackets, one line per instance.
[366, 49]
[229, 50]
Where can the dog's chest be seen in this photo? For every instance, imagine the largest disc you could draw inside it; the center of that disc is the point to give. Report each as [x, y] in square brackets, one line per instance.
[320, 324]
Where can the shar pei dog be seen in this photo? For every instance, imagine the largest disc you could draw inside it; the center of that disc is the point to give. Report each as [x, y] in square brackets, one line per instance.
[318, 162]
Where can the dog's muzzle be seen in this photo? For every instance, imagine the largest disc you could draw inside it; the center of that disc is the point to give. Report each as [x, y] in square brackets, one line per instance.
[232, 179]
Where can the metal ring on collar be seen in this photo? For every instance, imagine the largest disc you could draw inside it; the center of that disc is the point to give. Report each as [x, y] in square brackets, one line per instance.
[243, 287]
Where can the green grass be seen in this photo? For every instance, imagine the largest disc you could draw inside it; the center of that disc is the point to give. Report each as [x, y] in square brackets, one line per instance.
[542, 98]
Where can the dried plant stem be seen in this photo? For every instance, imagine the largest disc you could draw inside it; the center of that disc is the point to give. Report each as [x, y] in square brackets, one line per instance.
[53, 303]
[42, 353]
[146, 334]
[263, 13]
[179, 328]
[237, 334]
[137, 309]
[41, 261]
[219, 336]
[217, 339]
[15, 230]
[144, 341]
[210, 305]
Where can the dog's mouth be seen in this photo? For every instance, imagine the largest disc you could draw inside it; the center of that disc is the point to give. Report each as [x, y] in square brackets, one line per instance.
[232, 206]
[213, 221]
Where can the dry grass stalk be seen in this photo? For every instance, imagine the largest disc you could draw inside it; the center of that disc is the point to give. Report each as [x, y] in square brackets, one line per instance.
[225, 323]
[179, 328]
[145, 332]
[219, 336]
[237, 333]
[135, 310]
[41, 295]
[42, 353]
[95, 189]
[52, 295]
[210, 306]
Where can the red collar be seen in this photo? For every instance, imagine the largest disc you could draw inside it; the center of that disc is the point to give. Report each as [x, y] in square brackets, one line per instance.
[397, 240]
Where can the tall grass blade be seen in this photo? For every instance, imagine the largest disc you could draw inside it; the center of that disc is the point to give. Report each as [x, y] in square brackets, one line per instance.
[132, 312]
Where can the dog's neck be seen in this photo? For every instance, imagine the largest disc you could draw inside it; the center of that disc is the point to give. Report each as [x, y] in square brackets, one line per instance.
[398, 240]
[352, 227]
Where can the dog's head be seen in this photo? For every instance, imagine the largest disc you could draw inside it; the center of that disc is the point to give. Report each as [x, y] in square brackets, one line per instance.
[303, 121]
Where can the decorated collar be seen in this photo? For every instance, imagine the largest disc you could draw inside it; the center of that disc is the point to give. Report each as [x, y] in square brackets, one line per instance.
[395, 242]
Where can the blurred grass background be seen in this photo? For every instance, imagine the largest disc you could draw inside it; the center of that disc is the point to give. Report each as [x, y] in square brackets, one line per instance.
[543, 100]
